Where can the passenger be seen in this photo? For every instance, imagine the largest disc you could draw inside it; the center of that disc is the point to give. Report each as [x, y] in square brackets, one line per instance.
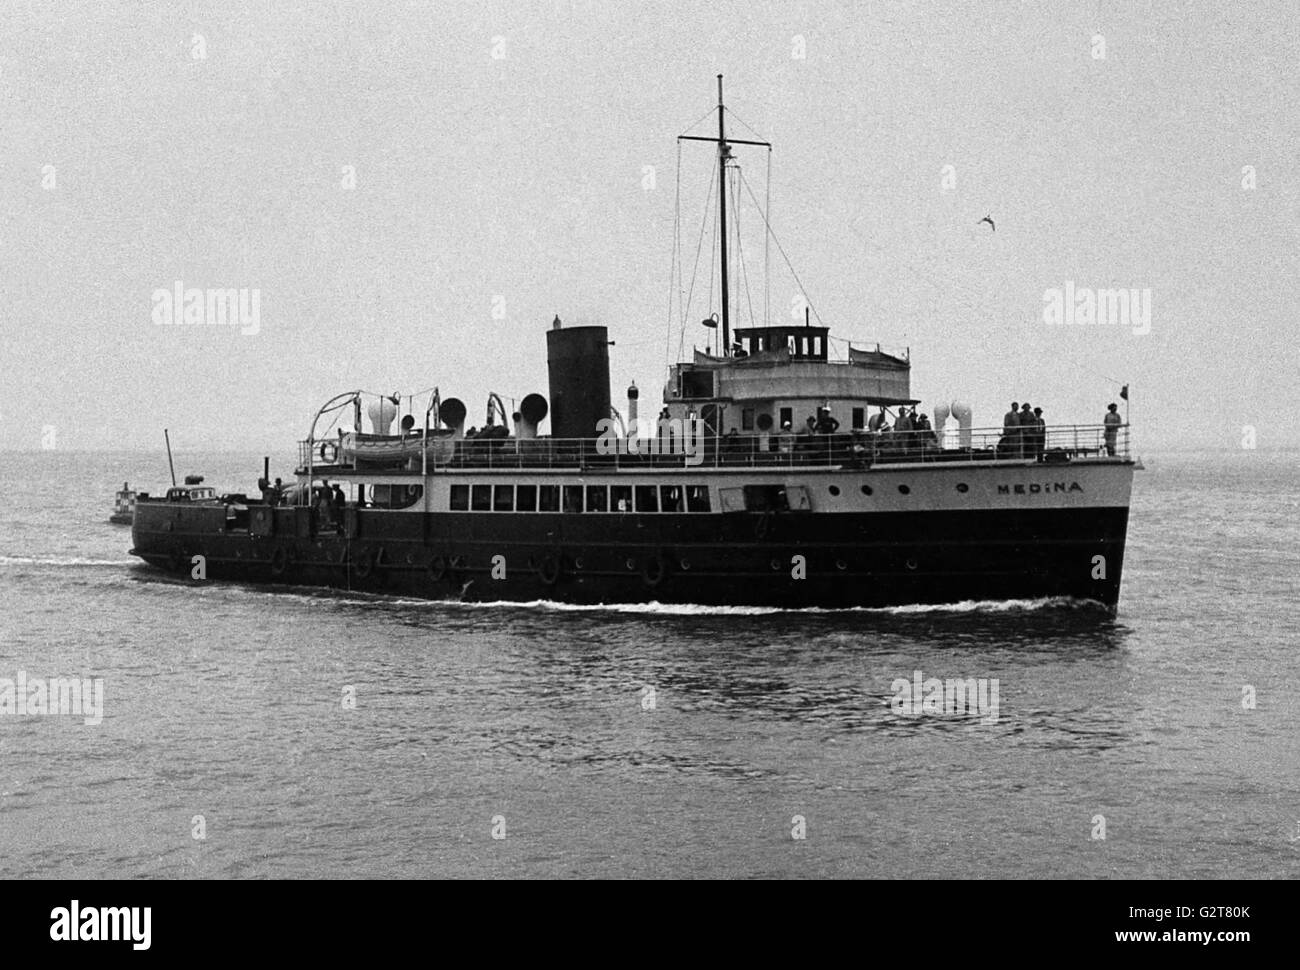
[323, 503]
[878, 421]
[1113, 423]
[785, 439]
[809, 427]
[925, 433]
[1040, 434]
[339, 501]
[825, 423]
[903, 427]
[731, 443]
[1009, 446]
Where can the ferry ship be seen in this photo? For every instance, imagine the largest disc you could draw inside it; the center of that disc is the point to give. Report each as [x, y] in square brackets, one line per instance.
[775, 474]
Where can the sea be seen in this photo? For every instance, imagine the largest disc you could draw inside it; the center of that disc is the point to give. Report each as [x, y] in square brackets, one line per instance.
[251, 732]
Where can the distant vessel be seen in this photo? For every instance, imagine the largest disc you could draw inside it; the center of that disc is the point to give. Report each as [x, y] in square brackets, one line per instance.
[716, 500]
[123, 506]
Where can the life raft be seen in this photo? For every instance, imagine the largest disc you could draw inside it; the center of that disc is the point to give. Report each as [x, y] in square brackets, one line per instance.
[548, 570]
[654, 571]
[279, 561]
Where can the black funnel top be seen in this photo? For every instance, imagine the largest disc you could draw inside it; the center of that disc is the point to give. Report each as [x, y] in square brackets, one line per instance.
[577, 363]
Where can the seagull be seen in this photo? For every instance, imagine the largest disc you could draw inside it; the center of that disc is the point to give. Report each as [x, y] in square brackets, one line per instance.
[990, 222]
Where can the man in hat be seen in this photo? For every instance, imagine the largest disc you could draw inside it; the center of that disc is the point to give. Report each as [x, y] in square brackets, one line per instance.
[785, 439]
[1040, 434]
[1010, 444]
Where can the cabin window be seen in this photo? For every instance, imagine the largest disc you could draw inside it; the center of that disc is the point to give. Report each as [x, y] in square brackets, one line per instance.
[646, 499]
[597, 499]
[503, 498]
[747, 419]
[572, 498]
[620, 498]
[670, 498]
[697, 384]
[787, 417]
[460, 498]
[480, 498]
[526, 498]
[859, 418]
[766, 498]
[548, 498]
[697, 498]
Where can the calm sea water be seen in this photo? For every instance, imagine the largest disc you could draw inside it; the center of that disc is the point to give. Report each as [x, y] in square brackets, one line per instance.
[226, 702]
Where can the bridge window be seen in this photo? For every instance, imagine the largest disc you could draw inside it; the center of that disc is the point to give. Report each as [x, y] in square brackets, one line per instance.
[526, 498]
[573, 498]
[503, 498]
[646, 499]
[697, 498]
[481, 498]
[460, 498]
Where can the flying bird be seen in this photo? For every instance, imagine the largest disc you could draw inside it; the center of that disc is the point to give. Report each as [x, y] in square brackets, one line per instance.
[990, 222]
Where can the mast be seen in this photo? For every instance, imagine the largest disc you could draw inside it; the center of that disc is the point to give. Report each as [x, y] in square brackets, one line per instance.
[723, 153]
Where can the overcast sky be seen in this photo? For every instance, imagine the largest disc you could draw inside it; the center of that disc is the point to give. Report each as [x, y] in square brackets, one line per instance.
[500, 157]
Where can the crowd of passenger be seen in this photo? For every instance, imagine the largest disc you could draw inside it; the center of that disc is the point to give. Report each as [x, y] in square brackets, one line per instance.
[1024, 432]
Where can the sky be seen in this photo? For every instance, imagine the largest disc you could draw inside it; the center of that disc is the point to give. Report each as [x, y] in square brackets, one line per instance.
[414, 190]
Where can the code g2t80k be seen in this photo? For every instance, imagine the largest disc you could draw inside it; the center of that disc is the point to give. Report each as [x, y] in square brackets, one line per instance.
[1224, 912]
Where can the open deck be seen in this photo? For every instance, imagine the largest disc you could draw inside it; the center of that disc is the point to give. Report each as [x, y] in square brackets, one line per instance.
[858, 449]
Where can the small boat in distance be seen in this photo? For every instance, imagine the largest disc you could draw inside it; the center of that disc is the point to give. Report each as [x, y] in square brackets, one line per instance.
[123, 506]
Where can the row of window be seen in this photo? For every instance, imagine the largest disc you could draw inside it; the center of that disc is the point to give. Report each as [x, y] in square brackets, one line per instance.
[579, 498]
[747, 419]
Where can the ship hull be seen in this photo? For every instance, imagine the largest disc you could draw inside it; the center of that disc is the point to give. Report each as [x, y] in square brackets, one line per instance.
[788, 560]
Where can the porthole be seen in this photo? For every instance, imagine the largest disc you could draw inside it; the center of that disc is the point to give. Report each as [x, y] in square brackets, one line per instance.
[963, 487]
[904, 490]
[834, 490]
[866, 489]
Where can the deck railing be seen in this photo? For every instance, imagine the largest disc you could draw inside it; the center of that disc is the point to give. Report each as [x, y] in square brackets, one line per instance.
[1062, 443]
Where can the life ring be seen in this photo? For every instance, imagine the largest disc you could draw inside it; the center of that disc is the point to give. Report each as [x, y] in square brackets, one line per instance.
[548, 571]
[654, 571]
[279, 561]
[437, 569]
[328, 446]
[363, 564]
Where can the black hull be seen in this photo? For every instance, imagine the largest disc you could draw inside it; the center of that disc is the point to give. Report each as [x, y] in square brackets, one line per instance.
[742, 559]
